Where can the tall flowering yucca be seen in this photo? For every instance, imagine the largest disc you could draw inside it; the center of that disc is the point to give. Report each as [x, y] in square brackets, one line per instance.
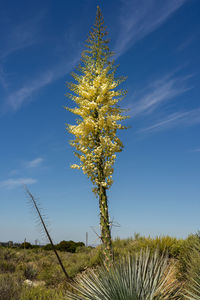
[96, 97]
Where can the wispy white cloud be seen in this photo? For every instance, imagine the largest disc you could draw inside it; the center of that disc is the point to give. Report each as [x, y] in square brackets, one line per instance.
[3, 80]
[34, 163]
[13, 183]
[153, 101]
[138, 18]
[141, 17]
[13, 172]
[20, 36]
[17, 98]
[186, 43]
[187, 118]
[195, 150]
[158, 93]
[25, 34]
[24, 94]
[17, 37]
[167, 122]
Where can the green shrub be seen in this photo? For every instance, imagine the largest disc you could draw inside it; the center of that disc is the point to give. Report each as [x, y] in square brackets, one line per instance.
[30, 272]
[53, 276]
[69, 246]
[26, 245]
[8, 254]
[132, 245]
[6, 266]
[189, 258]
[47, 247]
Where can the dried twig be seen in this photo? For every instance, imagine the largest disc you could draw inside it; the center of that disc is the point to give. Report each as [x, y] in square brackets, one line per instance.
[33, 201]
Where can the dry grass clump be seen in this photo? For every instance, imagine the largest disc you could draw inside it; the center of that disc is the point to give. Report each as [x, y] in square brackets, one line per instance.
[10, 287]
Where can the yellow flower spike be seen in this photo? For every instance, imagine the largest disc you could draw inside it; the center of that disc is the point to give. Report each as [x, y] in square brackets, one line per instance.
[96, 97]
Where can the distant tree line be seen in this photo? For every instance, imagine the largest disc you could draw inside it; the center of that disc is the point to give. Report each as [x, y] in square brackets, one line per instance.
[67, 246]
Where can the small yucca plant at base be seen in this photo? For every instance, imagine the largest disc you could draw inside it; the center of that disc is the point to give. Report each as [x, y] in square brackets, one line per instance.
[193, 287]
[193, 292]
[191, 262]
[140, 277]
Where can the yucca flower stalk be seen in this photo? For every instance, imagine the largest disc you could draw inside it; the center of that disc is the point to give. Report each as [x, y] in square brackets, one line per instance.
[96, 98]
[144, 276]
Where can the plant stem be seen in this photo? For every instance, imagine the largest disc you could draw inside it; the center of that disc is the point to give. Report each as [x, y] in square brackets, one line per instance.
[105, 228]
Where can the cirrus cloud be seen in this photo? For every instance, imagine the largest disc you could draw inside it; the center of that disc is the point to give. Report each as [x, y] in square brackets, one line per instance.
[16, 182]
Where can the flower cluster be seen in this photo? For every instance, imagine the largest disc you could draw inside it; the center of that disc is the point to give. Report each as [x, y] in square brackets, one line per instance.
[96, 103]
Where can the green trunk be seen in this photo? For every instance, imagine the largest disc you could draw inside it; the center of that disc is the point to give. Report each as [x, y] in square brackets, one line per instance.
[105, 228]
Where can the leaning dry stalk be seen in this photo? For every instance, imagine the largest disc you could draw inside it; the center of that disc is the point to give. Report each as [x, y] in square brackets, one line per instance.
[46, 231]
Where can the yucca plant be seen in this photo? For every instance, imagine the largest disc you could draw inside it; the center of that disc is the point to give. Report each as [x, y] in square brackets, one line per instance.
[144, 276]
[190, 261]
[193, 276]
[96, 96]
[193, 291]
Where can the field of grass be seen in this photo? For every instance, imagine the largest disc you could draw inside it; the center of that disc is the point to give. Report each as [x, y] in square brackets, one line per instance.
[31, 274]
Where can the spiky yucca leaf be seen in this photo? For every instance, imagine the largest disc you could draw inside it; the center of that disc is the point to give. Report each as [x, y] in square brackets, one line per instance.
[192, 263]
[193, 292]
[140, 277]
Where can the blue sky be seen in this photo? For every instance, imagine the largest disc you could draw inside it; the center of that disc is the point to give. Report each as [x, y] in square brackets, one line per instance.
[156, 187]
